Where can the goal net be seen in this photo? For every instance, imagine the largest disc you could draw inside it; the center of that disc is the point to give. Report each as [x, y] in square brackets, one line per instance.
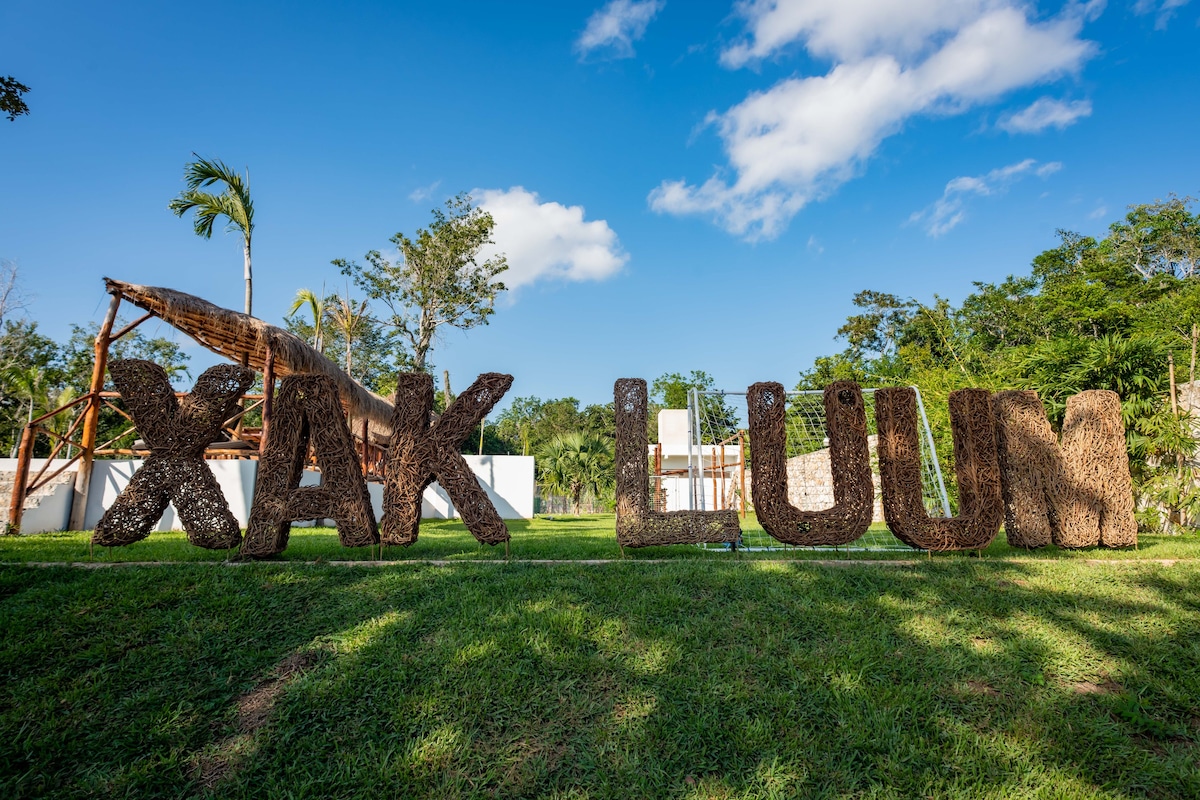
[719, 464]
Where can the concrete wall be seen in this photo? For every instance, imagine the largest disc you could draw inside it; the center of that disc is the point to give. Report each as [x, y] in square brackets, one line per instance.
[508, 481]
[109, 477]
[48, 509]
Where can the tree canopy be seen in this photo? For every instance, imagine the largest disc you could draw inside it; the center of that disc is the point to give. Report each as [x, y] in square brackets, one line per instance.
[437, 279]
[12, 101]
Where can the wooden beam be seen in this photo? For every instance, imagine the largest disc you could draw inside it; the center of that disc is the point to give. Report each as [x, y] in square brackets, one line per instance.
[17, 502]
[742, 469]
[130, 327]
[91, 420]
[366, 444]
[268, 397]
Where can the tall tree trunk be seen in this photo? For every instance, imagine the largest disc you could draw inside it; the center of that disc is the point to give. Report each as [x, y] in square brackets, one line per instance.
[249, 278]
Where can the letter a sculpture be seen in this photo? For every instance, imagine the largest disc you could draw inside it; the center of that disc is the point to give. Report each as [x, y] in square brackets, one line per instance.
[307, 408]
[177, 434]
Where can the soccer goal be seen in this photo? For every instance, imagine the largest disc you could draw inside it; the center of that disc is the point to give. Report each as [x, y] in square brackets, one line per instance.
[720, 464]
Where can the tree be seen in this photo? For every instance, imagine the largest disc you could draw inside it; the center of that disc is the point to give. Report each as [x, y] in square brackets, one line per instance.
[516, 423]
[1159, 238]
[671, 390]
[233, 204]
[350, 320]
[316, 307]
[877, 329]
[11, 102]
[576, 464]
[12, 299]
[437, 280]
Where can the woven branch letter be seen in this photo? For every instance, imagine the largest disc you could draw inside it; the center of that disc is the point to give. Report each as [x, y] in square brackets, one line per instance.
[1030, 463]
[419, 455]
[1093, 500]
[175, 472]
[637, 525]
[853, 495]
[1076, 495]
[981, 506]
[307, 408]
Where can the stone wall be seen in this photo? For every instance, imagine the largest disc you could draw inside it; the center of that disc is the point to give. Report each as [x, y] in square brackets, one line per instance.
[810, 480]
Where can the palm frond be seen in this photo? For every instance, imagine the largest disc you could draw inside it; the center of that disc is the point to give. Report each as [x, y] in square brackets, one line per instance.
[234, 202]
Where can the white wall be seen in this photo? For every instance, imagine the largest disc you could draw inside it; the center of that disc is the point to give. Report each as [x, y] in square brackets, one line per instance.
[508, 481]
[109, 477]
[52, 511]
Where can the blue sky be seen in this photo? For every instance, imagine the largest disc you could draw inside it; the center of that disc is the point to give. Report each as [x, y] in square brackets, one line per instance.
[678, 186]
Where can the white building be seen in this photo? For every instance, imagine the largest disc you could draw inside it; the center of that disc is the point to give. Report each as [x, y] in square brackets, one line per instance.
[714, 482]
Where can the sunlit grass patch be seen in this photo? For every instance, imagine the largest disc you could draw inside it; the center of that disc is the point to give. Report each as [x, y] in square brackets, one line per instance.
[693, 677]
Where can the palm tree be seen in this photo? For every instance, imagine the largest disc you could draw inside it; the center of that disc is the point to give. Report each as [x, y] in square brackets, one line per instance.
[316, 306]
[576, 464]
[61, 423]
[350, 320]
[234, 204]
[27, 382]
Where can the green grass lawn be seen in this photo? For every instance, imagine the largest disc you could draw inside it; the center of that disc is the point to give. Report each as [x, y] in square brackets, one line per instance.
[560, 537]
[707, 675]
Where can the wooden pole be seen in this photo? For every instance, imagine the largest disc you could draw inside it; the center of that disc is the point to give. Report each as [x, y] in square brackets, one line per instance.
[17, 501]
[268, 397]
[660, 493]
[742, 468]
[714, 464]
[91, 420]
[446, 387]
[366, 443]
[1174, 512]
[1192, 369]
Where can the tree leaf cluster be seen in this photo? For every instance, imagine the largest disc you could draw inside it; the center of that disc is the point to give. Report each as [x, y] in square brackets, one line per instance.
[437, 278]
[12, 101]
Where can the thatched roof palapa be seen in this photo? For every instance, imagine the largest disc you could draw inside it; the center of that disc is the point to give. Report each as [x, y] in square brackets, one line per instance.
[235, 336]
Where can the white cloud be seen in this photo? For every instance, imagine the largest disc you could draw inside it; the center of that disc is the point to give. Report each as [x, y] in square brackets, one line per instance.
[548, 240]
[1099, 212]
[847, 30]
[1162, 9]
[1045, 112]
[803, 137]
[950, 209]
[614, 28]
[424, 192]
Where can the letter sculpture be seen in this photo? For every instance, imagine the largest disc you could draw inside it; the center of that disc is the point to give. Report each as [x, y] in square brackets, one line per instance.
[637, 525]
[1029, 466]
[1076, 495]
[307, 409]
[853, 494]
[980, 502]
[175, 472]
[420, 454]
